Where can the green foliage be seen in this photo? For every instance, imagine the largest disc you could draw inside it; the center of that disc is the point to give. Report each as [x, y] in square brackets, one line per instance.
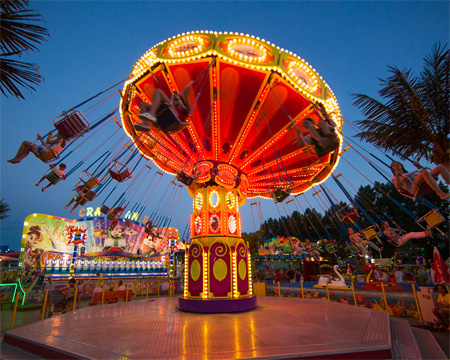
[18, 37]
[4, 208]
[414, 120]
[378, 203]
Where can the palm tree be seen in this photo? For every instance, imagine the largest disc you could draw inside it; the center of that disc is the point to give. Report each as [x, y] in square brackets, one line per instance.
[414, 121]
[18, 37]
[4, 208]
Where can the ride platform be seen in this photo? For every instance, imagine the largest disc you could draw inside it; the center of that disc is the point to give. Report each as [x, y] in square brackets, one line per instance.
[279, 328]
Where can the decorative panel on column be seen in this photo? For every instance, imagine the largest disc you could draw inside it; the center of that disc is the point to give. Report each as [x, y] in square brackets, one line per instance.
[241, 269]
[195, 265]
[220, 270]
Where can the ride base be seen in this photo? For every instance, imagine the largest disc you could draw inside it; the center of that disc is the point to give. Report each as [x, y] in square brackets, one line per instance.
[216, 306]
[279, 328]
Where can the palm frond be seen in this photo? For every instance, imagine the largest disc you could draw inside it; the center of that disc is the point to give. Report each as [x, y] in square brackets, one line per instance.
[15, 74]
[13, 5]
[17, 34]
[413, 117]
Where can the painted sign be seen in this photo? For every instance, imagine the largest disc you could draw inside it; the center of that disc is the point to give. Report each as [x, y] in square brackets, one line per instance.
[47, 237]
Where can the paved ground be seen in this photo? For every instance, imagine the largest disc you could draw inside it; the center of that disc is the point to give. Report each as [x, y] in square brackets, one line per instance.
[33, 316]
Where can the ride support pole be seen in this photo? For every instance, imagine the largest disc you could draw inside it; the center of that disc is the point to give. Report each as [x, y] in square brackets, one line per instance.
[417, 303]
[384, 298]
[354, 295]
[45, 303]
[135, 288]
[279, 292]
[303, 293]
[14, 311]
[159, 285]
[103, 294]
[328, 292]
[75, 297]
[147, 292]
[126, 294]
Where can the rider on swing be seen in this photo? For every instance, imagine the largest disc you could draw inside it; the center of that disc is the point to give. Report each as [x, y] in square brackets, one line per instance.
[148, 113]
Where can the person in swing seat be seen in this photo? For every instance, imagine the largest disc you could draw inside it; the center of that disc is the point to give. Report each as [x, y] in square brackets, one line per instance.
[148, 112]
[53, 143]
[410, 181]
[393, 234]
[58, 171]
[323, 133]
[360, 241]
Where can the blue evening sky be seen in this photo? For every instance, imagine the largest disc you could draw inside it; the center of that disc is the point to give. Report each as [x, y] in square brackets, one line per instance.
[94, 44]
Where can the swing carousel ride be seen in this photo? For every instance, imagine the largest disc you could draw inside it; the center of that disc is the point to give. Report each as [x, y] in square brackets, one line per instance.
[244, 138]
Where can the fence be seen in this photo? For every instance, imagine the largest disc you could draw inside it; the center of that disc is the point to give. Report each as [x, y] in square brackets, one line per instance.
[415, 303]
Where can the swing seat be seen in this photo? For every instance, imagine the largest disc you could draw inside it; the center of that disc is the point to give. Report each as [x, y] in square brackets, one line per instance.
[71, 125]
[350, 216]
[53, 178]
[419, 190]
[353, 248]
[111, 216]
[371, 233]
[331, 248]
[89, 196]
[121, 176]
[332, 144]
[93, 182]
[280, 195]
[185, 179]
[432, 219]
[168, 120]
[104, 209]
[393, 241]
[47, 157]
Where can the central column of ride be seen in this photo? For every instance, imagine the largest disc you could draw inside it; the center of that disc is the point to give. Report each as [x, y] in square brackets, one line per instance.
[218, 262]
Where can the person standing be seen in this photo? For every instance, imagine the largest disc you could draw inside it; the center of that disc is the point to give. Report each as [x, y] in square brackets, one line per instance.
[50, 286]
[441, 311]
[278, 275]
[79, 292]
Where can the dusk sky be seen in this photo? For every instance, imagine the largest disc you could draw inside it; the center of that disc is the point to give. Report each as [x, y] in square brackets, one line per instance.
[94, 44]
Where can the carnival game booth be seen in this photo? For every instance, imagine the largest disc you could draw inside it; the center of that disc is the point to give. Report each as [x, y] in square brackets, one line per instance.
[63, 248]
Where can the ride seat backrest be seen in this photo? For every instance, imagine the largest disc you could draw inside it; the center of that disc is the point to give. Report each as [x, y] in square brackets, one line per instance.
[72, 125]
[279, 195]
[370, 233]
[185, 179]
[121, 176]
[331, 248]
[419, 190]
[93, 182]
[432, 219]
[53, 178]
[89, 196]
[168, 120]
[104, 209]
[47, 157]
[349, 216]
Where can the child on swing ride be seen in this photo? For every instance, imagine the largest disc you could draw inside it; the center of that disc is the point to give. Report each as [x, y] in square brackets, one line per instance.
[410, 181]
[53, 143]
[58, 171]
[148, 112]
[393, 234]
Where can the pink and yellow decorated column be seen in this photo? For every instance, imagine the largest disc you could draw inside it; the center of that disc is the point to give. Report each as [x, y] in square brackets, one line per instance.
[218, 262]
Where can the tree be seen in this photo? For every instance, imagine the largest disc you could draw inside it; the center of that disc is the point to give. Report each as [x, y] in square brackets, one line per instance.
[18, 37]
[414, 121]
[4, 208]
